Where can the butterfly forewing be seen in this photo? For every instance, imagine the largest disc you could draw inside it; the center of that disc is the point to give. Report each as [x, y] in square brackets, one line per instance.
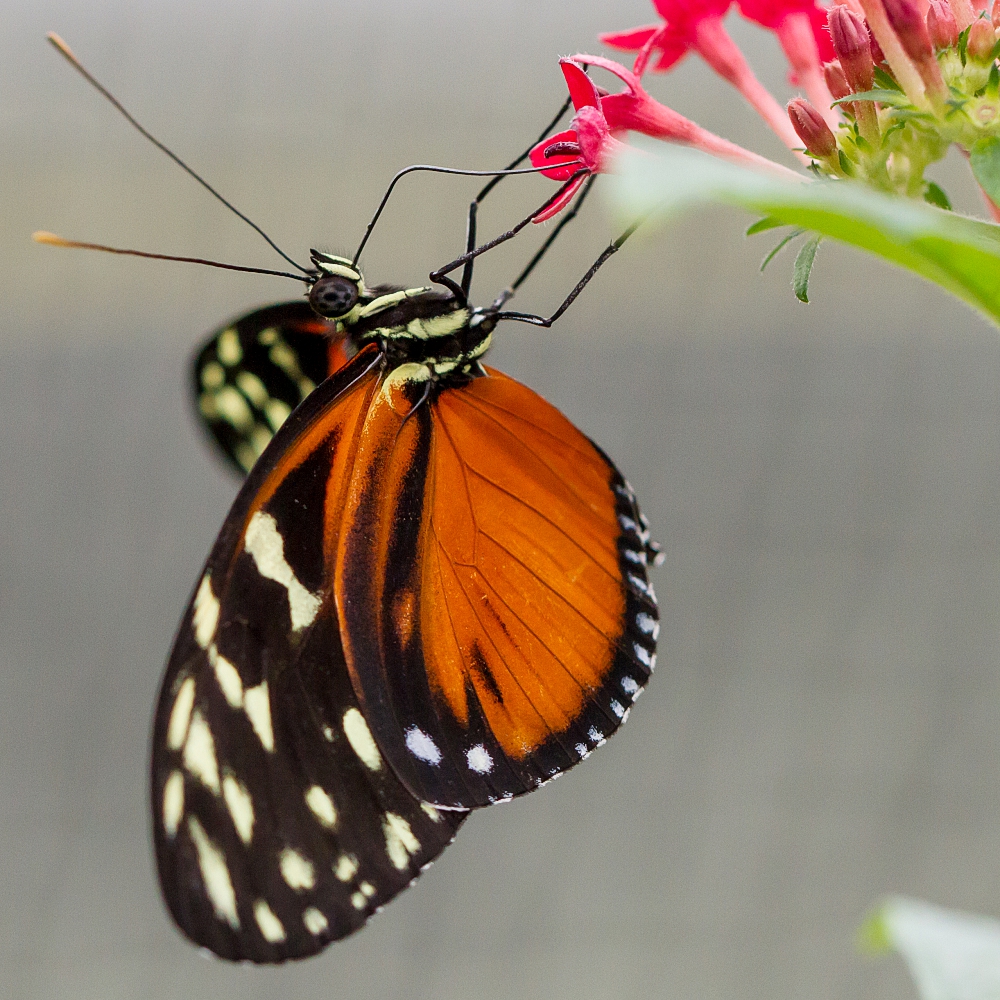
[252, 372]
[279, 825]
[492, 590]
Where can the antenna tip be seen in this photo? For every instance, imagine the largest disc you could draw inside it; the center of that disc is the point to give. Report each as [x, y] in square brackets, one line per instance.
[60, 45]
[49, 238]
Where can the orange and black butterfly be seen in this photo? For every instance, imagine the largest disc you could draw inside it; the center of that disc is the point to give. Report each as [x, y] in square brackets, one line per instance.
[430, 595]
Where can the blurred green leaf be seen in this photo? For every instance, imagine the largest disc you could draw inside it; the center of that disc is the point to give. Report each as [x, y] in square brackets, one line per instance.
[951, 955]
[803, 268]
[960, 254]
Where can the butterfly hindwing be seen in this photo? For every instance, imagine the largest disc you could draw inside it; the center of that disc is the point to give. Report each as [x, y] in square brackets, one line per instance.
[492, 590]
[252, 372]
[279, 826]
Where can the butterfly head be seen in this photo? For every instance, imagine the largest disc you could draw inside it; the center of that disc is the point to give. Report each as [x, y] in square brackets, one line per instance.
[337, 288]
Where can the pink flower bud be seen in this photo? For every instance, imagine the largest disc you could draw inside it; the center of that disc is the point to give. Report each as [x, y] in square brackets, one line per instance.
[836, 82]
[941, 25]
[982, 38]
[904, 16]
[850, 41]
[811, 128]
[995, 14]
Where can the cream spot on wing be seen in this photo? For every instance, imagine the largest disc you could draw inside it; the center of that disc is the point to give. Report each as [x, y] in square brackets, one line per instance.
[266, 546]
[228, 348]
[296, 870]
[180, 715]
[240, 807]
[212, 375]
[346, 868]
[270, 926]
[252, 387]
[431, 811]
[367, 889]
[206, 613]
[358, 900]
[228, 677]
[199, 753]
[257, 705]
[173, 803]
[277, 412]
[233, 408]
[214, 874]
[361, 739]
[319, 801]
[400, 843]
[316, 922]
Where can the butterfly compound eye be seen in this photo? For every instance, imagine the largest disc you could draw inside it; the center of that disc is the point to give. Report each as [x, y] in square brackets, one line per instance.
[333, 296]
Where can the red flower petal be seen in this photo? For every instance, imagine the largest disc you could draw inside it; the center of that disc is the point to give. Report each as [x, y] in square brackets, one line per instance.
[581, 87]
[562, 165]
[561, 202]
[630, 40]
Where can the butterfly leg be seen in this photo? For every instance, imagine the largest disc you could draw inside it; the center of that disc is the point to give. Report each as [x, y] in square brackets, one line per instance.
[609, 251]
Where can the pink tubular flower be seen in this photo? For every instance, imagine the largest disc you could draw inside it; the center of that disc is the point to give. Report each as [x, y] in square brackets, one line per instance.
[589, 146]
[696, 25]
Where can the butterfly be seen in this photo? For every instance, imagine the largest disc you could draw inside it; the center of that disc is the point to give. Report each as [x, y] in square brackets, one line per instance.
[430, 595]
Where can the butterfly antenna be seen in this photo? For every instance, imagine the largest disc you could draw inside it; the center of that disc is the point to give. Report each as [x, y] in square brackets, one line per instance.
[50, 239]
[441, 170]
[67, 53]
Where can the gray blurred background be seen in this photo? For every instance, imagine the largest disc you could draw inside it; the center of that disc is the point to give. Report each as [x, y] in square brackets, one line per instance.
[825, 481]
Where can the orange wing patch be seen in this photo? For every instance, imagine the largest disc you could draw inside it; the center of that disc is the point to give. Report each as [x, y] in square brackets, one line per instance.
[521, 591]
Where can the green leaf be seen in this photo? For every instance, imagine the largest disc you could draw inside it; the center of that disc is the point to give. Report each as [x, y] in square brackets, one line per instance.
[934, 195]
[794, 234]
[762, 225]
[951, 955]
[960, 254]
[984, 158]
[963, 43]
[883, 96]
[803, 268]
[886, 80]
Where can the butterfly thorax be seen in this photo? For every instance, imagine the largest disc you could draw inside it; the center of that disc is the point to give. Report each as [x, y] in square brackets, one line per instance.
[435, 334]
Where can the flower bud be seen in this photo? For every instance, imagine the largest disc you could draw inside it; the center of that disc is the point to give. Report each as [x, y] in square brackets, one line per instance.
[836, 82]
[982, 38]
[995, 14]
[849, 35]
[941, 25]
[878, 56]
[904, 16]
[811, 128]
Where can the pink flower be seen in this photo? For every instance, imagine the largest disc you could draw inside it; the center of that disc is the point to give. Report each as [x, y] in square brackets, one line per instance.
[697, 25]
[773, 14]
[590, 145]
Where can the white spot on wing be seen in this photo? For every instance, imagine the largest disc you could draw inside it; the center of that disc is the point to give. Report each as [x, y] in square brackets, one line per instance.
[257, 705]
[361, 739]
[173, 803]
[346, 867]
[358, 900]
[642, 654]
[422, 746]
[240, 807]
[617, 708]
[267, 547]
[319, 801]
[206, 613]
[368, 889]
[180, 715]
[630, 685]
[400, 843]
[214, 874]
[582, 751]
[315, 921]
[296, 870]
[647, 624]
[199, 753]
[479, 759]
[270, 926]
